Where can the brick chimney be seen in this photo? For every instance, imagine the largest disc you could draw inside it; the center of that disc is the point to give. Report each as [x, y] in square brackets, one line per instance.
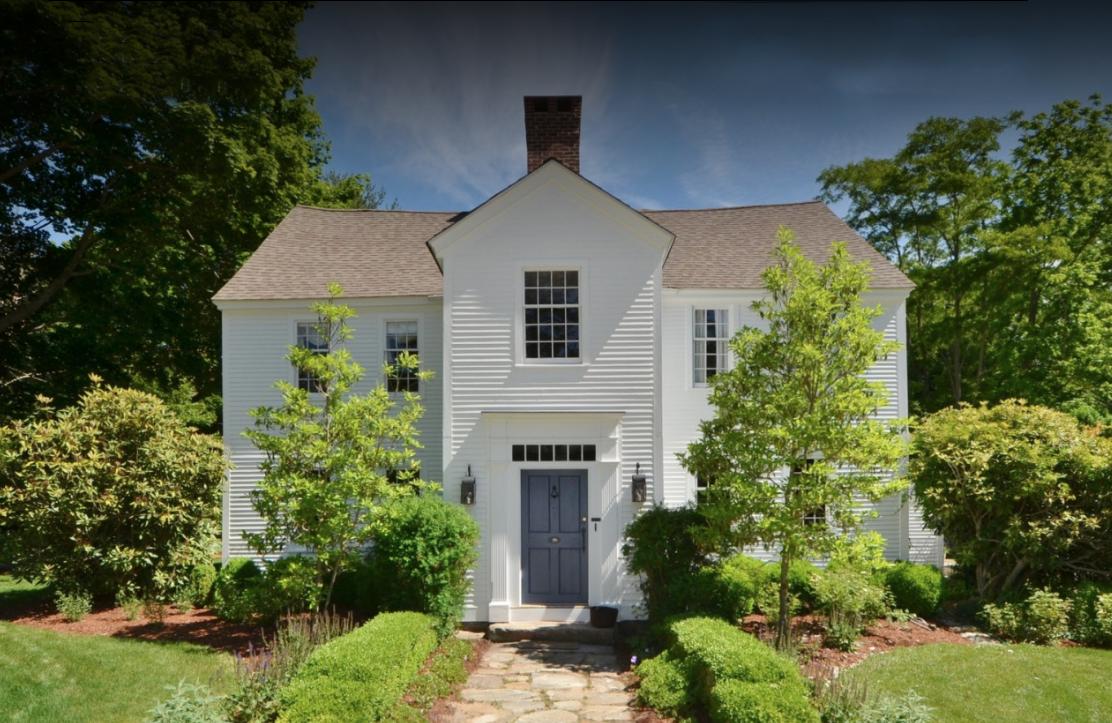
[552, 129]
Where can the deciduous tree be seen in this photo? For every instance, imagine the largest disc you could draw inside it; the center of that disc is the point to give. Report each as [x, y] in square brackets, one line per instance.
[794, 431]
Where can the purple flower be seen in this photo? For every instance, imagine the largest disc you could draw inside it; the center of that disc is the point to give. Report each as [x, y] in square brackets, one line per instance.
[633, 660]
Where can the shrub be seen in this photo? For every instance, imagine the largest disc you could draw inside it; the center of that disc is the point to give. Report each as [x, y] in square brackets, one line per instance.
[188, 704]
[234, 594]
[447, 668]
[423, 549]
[915, 588]
[1042, 618]
[112, 494]
[74, 605]
[734, 701]
[290, 585]
[358, 678]
[765, 575]
[719, 651]
[664, 685]
[201, 579]
[848, 599]
[660, 547]
[862, 553]
[1090, 617]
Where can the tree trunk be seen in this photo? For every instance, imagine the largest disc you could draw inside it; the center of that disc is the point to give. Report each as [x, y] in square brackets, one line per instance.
[783, 623]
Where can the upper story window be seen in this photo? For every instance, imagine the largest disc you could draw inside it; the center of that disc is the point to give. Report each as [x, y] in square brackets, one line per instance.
[401, 336]
[552, 315]
[710, 344]
[309, 337]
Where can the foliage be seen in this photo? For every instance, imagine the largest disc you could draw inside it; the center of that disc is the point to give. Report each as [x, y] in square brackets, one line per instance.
[849, 599]
[201, 580]
[47, 677]
[262, 673]
[908, 708]
[1021, 493]
[734, 701]
[704, 665]
[159, 142]
[423, 548]
[234, 595]
[838, 698]
[288, 587]
[661, 546]
[863, 552]
[795, 425]
[1009, 258]
[361, 676]
[75, 605]
[114, 494]
[446, 669]
[915, 588]
[1042, 618]
[189, 703]
[1090, 619]
[327, 452]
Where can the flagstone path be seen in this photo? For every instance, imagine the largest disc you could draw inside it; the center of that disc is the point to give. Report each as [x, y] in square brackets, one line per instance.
[545, 682]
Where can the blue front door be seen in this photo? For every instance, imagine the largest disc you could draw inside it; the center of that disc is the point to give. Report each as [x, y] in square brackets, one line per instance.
[554, 537]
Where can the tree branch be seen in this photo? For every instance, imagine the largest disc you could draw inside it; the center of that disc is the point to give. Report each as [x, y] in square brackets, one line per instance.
[42, 156]
[44, 297]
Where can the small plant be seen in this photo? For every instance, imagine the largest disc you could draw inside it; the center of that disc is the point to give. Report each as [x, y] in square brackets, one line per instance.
[1043, 618]
[1091, 615]
[838, 698]
[908, 709]
[129, 604]
[189, 704]
[849, 599]
[155, 611]
[75, 605]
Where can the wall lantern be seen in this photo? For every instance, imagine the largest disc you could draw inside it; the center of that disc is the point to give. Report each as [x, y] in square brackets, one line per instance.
[467, 489]
[640, 486]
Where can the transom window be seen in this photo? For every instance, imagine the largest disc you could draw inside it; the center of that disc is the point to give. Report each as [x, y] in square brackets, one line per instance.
[551, 314]
[553, 452]
[309, 337]
[711, 344]
[401, 336]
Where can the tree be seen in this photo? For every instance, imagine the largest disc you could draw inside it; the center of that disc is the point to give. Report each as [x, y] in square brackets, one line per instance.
[794, 434]
[115, 495]
[146, 149]
[330, 454]
[1021, 493]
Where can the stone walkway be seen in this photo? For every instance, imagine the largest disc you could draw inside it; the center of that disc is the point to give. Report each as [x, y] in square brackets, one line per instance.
[544, 682]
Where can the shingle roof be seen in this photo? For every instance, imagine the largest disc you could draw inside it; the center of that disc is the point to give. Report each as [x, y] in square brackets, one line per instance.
[383, 253]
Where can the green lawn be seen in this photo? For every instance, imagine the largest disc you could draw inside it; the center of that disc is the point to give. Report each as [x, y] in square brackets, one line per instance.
[1012, 683]
[46, 677]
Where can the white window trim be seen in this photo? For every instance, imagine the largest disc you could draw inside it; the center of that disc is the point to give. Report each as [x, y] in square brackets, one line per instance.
[520, 267]
[732, 324]
[421, 342]
[295, 372]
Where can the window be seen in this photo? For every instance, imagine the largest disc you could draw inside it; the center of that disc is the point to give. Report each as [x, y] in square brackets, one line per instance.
[401, 336]
[309, 337]
[702, 488]
[553, 452]
[552, 315]
[816, 515]
[710, 344]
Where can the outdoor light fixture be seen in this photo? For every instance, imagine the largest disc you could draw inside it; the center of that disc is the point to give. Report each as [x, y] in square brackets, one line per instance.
[467, 489]
[640, 487]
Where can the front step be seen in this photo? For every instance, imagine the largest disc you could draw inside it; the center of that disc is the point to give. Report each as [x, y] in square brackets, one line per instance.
[550, 633]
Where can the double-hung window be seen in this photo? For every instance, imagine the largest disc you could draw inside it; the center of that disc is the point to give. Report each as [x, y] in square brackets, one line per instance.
[309, 337]
[710, 344]
[552, 315]
[401, 337]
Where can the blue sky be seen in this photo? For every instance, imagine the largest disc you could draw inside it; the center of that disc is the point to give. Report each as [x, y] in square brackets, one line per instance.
[690, 105]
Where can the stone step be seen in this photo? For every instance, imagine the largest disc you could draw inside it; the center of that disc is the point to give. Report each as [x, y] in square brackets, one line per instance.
[550, 633]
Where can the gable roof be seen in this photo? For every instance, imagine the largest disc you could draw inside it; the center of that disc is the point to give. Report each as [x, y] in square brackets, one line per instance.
[384, 253]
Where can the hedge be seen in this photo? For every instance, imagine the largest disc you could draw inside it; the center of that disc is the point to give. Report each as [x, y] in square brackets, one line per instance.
[734, 701]
[360, 677]
[915, 588]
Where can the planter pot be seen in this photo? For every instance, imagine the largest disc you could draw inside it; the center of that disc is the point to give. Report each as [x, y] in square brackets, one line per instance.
[603, 616]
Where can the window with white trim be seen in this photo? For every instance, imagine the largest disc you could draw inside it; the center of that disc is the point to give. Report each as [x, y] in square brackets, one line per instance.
[309, 337]
[552, 315]
[710, 344]
[401, 337]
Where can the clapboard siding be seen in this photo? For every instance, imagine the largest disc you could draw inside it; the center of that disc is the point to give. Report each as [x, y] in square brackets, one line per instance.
[256, 340]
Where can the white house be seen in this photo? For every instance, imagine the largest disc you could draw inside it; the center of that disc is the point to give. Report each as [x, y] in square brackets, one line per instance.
[571, 338]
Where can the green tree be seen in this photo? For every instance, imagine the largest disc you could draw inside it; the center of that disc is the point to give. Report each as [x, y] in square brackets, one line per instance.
[330, 453]
[114, 495]
[1021, 493]
[146, 149]
[795, 429]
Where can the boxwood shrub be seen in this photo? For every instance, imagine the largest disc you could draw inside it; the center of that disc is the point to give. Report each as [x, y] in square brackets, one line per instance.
[735, 701]
[664, 685]
[234, 592]
[915, 588]
[719, 651]
[360, 677]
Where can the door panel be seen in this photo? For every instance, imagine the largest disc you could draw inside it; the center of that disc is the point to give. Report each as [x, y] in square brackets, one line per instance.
[553, 537]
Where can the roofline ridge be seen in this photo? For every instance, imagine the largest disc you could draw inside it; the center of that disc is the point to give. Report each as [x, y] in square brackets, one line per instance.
[732, 208]
[372, 210]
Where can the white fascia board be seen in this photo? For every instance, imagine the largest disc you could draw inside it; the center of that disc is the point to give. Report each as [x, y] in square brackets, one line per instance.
[552, 172]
